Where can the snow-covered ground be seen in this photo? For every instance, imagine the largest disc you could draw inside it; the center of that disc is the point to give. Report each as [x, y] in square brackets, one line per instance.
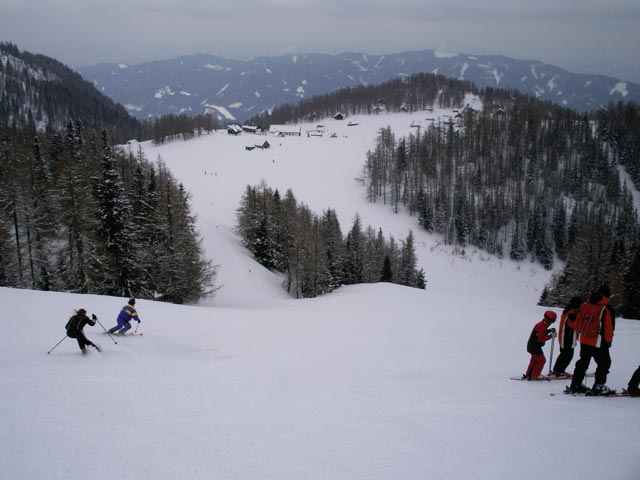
[369, 382]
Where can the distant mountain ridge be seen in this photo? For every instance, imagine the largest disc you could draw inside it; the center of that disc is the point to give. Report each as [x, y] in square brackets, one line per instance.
[236, 90]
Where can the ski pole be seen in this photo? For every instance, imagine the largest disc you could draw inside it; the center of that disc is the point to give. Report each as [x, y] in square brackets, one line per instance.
[56, 345]
[106, 331]
[553, 340]
[136, 330]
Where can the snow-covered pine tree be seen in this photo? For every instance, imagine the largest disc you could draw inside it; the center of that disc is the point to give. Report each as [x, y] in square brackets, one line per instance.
[41, 221]
[354, 253]
[113, 212]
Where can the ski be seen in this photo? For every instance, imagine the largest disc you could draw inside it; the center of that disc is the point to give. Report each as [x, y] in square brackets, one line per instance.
[525, 379]
[612, 394]
[128, 334]
[553, 377]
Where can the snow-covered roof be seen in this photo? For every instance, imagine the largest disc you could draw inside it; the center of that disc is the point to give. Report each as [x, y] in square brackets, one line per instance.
[285, 129]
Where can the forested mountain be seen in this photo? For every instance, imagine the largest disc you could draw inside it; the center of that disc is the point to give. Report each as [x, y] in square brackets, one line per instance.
[42, 92]
[78, 215]
[515, 176]
[233, 90]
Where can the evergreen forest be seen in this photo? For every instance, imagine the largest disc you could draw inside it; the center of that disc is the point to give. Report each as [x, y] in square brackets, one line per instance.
[78, 215]
[311, 251]
[519, 178]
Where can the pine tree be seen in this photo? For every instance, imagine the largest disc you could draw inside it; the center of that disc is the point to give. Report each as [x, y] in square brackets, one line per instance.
[41, 220]
[387, 272]
[113, 212]
[333, 241]
[408, 261]
[560, 239]
[631, 288]
[79, 268]
[354, 253]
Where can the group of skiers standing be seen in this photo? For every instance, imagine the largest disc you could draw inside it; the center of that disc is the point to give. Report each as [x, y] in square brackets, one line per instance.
[592, 323]
[79, 320]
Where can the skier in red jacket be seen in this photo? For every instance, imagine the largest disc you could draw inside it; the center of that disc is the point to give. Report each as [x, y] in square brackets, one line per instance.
[539, 336]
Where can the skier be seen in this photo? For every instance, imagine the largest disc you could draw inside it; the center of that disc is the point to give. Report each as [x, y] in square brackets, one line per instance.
[74, 329]
[125, 316]
[567, 337]
[595, 324]
[539, 336]
[634, 384]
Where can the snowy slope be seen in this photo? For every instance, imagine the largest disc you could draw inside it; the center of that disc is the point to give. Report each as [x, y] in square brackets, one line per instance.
[370, 382]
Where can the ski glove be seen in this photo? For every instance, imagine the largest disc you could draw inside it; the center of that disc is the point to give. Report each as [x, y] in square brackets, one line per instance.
[93, 316]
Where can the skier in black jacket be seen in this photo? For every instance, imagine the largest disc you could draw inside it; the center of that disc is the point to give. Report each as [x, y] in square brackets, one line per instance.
[74, 329]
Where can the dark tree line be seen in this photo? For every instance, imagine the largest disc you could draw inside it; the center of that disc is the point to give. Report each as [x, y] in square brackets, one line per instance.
[178, 127]
[77, 214]
[284, 235]
[415, 92]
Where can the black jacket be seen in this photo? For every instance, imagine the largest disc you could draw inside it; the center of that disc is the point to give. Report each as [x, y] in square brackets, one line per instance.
[77, 323]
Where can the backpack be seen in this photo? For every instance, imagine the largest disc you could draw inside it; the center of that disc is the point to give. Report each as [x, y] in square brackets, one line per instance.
[590, 320]
[72, 324]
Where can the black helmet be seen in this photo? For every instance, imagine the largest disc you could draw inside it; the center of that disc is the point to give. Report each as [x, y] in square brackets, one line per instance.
[132, 301]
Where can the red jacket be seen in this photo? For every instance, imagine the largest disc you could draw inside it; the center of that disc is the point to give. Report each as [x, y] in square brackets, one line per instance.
[539, 336]
[604, 336]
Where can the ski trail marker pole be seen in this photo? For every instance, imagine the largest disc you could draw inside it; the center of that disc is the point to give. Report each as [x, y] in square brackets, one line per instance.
[106, 331]
[56, 345]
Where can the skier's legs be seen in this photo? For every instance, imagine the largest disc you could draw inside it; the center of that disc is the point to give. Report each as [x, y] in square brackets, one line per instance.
[634, 383]
[586, 352]
[539, 361]
[122, 324]
[603, 362]
[564, 359]
[83, 341]
[536, 364]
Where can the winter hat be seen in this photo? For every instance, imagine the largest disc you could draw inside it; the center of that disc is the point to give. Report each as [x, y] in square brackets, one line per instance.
[550, 315]
[132, 301]
[604, 290]
[575, 302]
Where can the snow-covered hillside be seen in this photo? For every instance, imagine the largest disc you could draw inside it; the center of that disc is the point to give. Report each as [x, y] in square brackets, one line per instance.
[369, 382]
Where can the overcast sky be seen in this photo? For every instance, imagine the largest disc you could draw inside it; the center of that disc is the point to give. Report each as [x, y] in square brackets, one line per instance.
[585, 36]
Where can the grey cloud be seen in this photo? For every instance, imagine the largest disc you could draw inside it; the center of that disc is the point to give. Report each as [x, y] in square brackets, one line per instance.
[569, 33]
